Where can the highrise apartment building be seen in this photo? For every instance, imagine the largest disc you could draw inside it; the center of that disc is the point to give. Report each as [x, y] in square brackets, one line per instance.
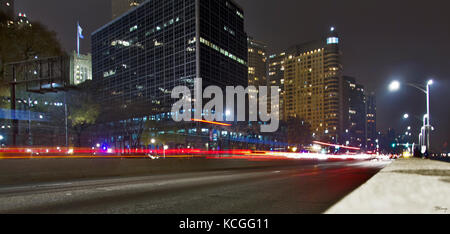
[276, 77]
[355, 133]
[313, 86]
[257, 63]
[372, 138]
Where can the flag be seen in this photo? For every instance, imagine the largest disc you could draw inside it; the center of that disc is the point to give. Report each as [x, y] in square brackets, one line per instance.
[80, 32]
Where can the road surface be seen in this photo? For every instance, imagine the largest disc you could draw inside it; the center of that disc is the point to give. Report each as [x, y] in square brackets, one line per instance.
[218, 186]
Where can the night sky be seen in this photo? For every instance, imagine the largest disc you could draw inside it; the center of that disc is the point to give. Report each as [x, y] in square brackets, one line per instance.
[382, 40]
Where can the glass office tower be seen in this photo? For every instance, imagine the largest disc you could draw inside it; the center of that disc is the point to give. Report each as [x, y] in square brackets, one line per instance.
[142, 55]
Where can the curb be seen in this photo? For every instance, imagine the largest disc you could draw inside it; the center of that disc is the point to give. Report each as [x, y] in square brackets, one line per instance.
[406, 186]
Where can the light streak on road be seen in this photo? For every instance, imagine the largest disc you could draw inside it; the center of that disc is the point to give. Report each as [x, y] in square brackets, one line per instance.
[336, 146]
[74, 153]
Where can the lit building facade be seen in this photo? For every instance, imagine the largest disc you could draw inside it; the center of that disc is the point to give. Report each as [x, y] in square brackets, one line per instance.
[80, 68]
[276, 77]
[145, 53]
[313, 87]
[120, 7]
[356, 131]
[257, 63]
[371, 110]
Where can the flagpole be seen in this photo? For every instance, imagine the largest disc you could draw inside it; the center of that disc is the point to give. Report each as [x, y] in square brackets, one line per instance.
[78, 38]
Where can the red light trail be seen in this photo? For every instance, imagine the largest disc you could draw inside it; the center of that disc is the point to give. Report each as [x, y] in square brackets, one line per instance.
[211, 122]
[92, 153]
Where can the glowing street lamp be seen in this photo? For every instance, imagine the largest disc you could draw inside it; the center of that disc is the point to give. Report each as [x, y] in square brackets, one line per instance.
[395, 86]
[406, 116]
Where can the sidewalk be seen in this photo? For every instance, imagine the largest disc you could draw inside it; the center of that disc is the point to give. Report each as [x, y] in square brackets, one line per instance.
[407, 186]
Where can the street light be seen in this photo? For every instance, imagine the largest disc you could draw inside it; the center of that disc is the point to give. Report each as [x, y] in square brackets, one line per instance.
[1, 138]
[406, 116]
[395, 86]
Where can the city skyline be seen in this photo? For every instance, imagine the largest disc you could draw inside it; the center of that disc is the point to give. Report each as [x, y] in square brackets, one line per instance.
[224, 107]
[407, 38]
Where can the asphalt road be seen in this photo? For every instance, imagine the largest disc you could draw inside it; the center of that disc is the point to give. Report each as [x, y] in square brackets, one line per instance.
[218, 186]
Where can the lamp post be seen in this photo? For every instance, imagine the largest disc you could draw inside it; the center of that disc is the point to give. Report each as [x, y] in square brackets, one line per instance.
[428, 127]
[396, 85]
[406, 116]
[165, 147]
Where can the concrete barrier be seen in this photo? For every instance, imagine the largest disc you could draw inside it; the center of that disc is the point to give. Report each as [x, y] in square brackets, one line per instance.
[407, 186]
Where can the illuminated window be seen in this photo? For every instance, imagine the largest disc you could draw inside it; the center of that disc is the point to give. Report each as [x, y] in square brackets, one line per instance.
[333, 40]
[240, 14]
[222, 51]
[134, 28]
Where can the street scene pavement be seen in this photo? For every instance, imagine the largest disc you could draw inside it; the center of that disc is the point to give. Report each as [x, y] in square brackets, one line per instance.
[179, 186]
